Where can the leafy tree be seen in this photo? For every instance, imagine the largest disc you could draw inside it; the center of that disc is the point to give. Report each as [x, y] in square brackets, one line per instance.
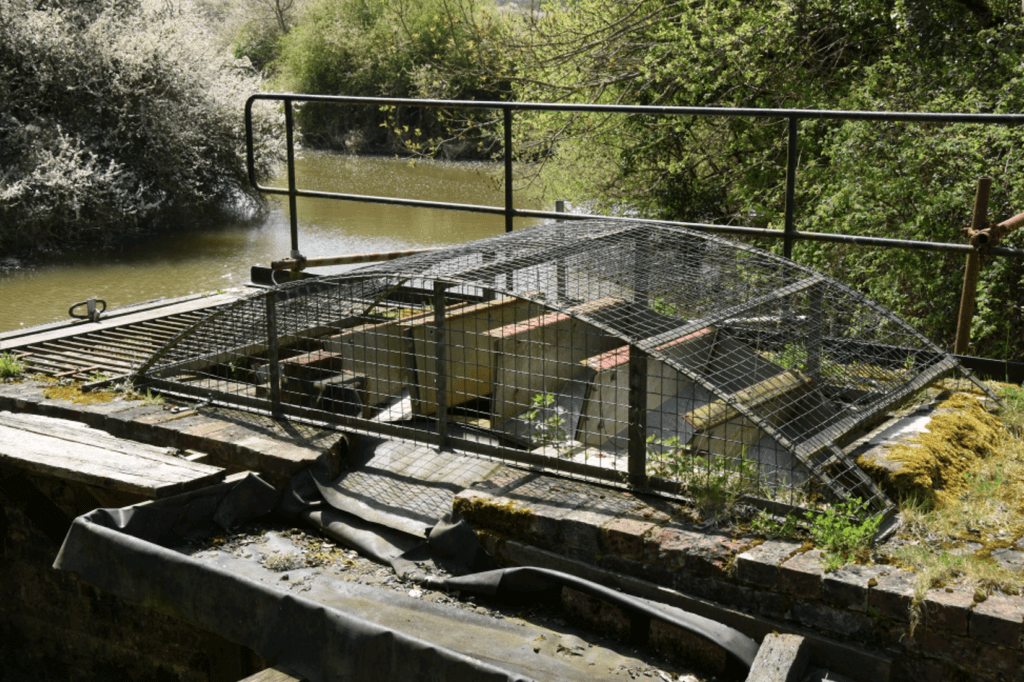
[258, 27]
[911, 181]
[115, 117]
[389, 48]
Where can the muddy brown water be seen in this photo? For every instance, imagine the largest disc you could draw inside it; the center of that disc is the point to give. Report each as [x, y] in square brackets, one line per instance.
[209, 258]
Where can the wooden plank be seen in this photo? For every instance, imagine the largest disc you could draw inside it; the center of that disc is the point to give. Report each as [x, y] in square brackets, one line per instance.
[312, 365]
[382, 353]
[773, 392]
[82, 371]
[131, 309]
[723, 429]
[76, 452]
[86, 356]
[97, 347]
[469, 361]
[538, 355]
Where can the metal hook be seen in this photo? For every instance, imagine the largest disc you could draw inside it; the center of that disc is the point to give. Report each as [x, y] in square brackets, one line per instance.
[91, 312]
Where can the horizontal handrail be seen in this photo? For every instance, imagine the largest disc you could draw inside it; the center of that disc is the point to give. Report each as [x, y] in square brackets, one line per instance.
[789, 234]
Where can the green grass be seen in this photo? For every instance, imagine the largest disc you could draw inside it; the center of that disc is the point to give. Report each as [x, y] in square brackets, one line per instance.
[1012, 412]
[842, 531]
[10, 366]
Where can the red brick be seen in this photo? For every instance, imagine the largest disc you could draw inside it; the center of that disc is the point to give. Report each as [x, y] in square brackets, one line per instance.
[712, 555]
[596, 614]
[760, 565]
[892, 595]
[998, 659]
[835, 621]
[579, 532]
[848, 587]
[681, 646]
[669, 547]
[960, 650]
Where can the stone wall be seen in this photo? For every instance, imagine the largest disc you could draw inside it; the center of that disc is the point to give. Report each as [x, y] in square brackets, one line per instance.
[955, 635]
[55, 627]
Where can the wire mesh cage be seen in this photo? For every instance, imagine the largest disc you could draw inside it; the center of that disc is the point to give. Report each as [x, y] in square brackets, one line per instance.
[622, 351]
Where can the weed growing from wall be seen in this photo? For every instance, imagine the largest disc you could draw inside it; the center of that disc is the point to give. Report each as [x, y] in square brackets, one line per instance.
[10, 366]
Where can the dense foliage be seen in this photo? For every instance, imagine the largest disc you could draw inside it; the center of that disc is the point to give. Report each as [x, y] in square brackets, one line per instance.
[910, 181]
[115, 118]
[390, 48]
[114, 114]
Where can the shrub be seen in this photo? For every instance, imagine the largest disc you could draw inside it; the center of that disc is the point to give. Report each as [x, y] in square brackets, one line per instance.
[116, 117]
[842, 531]
[387, 48]
[260, 43]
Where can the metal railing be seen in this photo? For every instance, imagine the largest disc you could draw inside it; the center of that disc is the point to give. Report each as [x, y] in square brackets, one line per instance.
[630, 353]
[789, 234]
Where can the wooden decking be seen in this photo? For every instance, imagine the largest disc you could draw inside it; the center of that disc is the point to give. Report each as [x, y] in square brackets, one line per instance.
[114, 346]
[73, 451]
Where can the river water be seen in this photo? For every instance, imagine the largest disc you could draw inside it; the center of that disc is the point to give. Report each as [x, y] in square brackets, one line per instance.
[195, 259]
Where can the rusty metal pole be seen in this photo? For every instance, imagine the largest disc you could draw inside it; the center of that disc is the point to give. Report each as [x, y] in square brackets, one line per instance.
[967, 297]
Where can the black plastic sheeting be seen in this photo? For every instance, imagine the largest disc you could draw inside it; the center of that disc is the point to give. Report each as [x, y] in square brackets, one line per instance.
[344, 631]
[454, 545]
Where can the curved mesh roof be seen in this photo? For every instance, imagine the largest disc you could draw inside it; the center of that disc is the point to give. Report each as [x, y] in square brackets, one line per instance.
[580, 346]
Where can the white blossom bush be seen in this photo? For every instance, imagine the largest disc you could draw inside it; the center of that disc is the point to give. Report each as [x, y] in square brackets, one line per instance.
[118, 117]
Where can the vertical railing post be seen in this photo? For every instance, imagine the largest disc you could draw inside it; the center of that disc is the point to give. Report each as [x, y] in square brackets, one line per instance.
[507, 111]
[441, 355]
[293, 215]
[272, 354]
[979, 220]
[250, 151]
[637, 432]
[791, 157]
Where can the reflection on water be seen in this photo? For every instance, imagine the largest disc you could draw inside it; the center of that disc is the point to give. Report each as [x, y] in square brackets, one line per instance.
[210, 258]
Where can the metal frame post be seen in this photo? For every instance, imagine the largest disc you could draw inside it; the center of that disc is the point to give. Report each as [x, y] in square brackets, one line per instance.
[814, 341]
[441, 380]
[272, 354]
[637, 432]
[642, 268]
[561, 274]
[293, 215]
[509, 210]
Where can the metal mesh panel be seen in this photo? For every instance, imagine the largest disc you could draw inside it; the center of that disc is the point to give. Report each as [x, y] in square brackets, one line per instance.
[616, 350]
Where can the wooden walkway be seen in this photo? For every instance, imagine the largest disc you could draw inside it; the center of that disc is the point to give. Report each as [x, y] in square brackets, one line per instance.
[114, 346]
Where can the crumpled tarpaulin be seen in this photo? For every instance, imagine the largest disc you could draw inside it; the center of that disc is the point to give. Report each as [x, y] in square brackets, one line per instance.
[454, 545]
[337, 630]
